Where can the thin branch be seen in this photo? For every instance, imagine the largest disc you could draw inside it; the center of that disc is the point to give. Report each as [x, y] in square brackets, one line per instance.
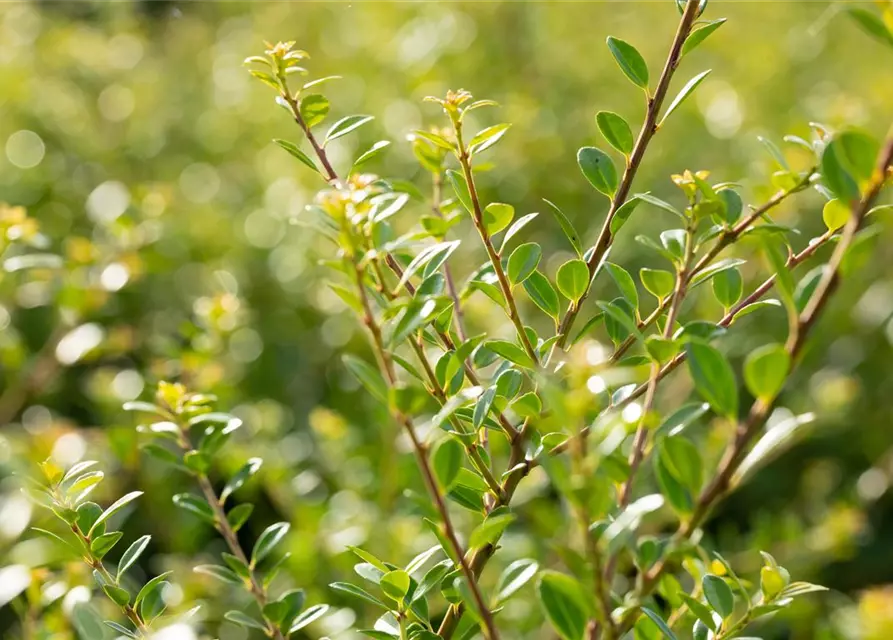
[421, 454]
[492, 253]
[649, 128]
[226, 531]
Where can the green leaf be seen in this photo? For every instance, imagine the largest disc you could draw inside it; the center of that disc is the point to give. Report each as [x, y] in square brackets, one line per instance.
[835, 174]
[101, 545]
[431, 258]
[599, 169]
[686, 91]
[344, 126]
[542, 293]
[718, 594]
[372, 152]
[657, 282]
[460, 187]
[573, 279]
[482, 407]
[132, 554]
[150, 587]
[435, 139]
[239, 515]
[661, 624]
[368, 376]
[195, 505]
[713, 378]
[268, 540]
[623, 213]
[624, 283]
[296, 152]
[447, 460]
[510, 351]
[835, 214]
[485, 139]
[563, 601]
[119, 596]
[313, 109]
[497, 216]
[310, 615]
[872, 24]
[514, 577]
[858, 152]
[566, 226]
[765, 370]
[728, 287]
[224, 574]
[615, 130]
[489, 531]
[661, 204]
[698, 35]
[682, 459]
[395, 584]
[630, 61]
[112, 510]
[248, 469]
[358, 592]
[519, 224]
[523, 262]
[244, 620]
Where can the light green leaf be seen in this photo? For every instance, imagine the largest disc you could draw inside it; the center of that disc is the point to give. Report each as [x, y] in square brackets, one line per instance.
[657, 282]
[728, 287]
[698, 35]
[372, 152]
[661, 624]
[573, 279]
[313, 109]
[624, 283]
[523, 262]
[297, 153]
[514, 577]
[490, 529]
[497, 216]
[485, 139]
[344, 126]
[248, 469]
[510, 351]
[395, 584]
[765, 370]
[684, 93]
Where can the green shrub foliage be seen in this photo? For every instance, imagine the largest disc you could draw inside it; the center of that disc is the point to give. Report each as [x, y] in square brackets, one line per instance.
[484, 413]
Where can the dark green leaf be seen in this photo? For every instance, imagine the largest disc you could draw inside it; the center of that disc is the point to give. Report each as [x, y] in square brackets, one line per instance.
[563, 601]
[542, 293]
[713, 378]
[566, 226]
[268, 540]
[523, 262]
[630, 60]
[615, 130]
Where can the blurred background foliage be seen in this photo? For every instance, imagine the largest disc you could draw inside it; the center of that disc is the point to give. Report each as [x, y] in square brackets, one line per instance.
[134, 137]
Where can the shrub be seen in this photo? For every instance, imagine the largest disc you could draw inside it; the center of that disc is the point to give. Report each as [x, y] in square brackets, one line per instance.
[636, 470]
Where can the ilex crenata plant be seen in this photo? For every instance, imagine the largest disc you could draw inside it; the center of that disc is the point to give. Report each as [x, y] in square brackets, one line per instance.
[89, 535]
[481, 410]
[187, 433]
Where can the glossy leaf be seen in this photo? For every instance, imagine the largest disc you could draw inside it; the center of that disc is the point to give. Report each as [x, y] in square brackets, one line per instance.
[615, 130]
[630, 61]
[573, 279]
[713, 378]
[523, 262]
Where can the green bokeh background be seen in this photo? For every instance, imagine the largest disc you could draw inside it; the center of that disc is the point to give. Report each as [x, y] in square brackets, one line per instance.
[158, 163]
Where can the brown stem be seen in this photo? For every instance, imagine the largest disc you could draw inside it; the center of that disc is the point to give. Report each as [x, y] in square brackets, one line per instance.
[421, 454]
[229, 536]
[495, 259]
[649, 128]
